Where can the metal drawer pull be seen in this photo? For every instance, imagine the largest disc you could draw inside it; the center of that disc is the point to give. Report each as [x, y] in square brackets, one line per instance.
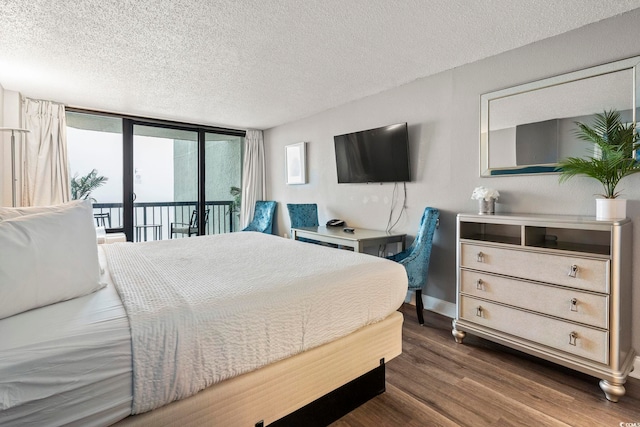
[573, 337]
[479, 285]
[574, 304]
[480, 257]
[573, 270]
[479, 311]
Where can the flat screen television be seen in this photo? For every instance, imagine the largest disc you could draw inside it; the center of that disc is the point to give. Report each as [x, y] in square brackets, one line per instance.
[374, 155]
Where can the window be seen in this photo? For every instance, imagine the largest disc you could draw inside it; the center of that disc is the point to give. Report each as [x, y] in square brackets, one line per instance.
[154, 179]
[94, 145]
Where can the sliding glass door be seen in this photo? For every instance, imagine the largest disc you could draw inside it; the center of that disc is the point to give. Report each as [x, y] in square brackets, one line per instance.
[165, 183]
[223, 181]
[159, 180]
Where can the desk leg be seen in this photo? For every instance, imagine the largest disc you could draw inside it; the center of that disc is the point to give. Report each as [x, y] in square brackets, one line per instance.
[358, 246]
[294, 234]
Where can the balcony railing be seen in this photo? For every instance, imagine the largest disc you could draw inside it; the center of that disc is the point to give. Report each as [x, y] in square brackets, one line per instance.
[152, 220]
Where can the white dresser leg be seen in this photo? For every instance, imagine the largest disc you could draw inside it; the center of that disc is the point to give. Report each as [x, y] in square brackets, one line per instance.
[458, 335]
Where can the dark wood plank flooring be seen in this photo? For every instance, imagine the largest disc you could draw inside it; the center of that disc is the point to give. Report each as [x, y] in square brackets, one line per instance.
[436, 382]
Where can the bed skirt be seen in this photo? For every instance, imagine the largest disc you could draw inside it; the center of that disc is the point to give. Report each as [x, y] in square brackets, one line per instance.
[274, 391]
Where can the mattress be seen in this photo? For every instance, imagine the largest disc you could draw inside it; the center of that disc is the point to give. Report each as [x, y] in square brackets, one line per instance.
[67, 363]
[209, 308]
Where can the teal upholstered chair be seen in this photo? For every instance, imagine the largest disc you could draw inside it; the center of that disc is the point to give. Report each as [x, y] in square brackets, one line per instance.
[263, 214]
[303, 215]
[416, 258]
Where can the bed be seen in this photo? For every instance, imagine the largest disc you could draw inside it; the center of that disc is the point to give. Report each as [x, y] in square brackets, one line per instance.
[242, 329]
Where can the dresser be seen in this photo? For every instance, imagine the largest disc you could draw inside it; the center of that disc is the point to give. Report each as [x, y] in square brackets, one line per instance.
[556, 287]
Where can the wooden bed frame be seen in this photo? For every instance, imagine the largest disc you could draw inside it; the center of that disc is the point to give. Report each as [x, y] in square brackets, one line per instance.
[315, 386]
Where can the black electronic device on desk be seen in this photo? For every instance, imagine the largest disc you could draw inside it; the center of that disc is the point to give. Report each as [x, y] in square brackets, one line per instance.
[349, 230]
[336, 223]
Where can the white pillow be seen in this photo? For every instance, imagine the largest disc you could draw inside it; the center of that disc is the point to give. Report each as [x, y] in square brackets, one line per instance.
[8, 213]
[47, 257]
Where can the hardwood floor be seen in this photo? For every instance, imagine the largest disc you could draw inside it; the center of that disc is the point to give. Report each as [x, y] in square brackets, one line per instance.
[436, 382]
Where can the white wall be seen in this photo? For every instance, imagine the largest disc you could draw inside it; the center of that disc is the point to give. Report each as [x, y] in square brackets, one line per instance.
[443, 114]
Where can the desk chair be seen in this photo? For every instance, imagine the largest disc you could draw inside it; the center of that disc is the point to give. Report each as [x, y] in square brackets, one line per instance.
[303, 215]
[415, 259]
[263, 214]
[188, 229]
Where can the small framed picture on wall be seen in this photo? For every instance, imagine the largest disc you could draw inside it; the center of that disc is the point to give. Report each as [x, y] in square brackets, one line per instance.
[295, 159]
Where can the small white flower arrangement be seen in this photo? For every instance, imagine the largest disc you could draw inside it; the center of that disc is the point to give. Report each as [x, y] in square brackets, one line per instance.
[484, 193]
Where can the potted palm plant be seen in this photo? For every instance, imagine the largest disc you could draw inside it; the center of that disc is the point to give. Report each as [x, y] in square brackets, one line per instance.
[83, 186]
[612, 158]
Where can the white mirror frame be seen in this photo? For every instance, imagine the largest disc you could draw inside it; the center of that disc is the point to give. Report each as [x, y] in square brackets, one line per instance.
[485, 113]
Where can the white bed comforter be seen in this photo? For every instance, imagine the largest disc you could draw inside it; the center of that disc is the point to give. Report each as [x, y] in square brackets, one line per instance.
[209, 308]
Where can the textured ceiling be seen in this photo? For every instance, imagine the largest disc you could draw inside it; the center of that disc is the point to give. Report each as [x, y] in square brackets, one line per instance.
[258, 63]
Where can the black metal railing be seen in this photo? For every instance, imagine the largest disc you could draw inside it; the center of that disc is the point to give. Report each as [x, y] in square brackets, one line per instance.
[152, 220]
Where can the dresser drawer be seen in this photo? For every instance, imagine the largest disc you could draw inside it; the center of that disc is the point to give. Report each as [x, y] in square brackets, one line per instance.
[590, 273]
[569, 304]
[589, 343]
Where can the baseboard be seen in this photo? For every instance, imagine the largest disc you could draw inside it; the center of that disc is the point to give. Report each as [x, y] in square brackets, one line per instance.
[636, 369]
[439, 306]
[436, 305]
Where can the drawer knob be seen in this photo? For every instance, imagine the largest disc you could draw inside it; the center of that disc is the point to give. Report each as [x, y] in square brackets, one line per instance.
[573, 270]
[480, 257]
[574, 304]
[479, 311]
[573, 337]
[479, 284]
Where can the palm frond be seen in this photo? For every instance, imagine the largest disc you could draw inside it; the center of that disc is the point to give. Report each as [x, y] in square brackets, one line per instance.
[612, 153]
[82, 187]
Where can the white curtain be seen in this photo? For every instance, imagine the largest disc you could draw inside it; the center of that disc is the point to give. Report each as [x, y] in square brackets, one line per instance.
[45, 173]
[253, 175]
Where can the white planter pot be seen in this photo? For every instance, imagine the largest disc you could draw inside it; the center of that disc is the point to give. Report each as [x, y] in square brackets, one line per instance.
[608, 209]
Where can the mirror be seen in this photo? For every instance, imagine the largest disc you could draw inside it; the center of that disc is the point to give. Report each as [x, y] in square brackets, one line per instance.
[528, 129]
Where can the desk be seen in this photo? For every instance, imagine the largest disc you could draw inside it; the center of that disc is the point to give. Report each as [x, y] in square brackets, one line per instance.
[155, 228]
[358, 240]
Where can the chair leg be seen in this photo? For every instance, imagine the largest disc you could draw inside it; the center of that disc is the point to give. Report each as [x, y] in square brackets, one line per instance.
[419, 306]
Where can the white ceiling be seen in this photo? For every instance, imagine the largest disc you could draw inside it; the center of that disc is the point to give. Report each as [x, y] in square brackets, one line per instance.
[258, 63]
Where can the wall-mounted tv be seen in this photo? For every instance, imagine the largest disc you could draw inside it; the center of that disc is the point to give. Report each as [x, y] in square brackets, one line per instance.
[374, 155]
